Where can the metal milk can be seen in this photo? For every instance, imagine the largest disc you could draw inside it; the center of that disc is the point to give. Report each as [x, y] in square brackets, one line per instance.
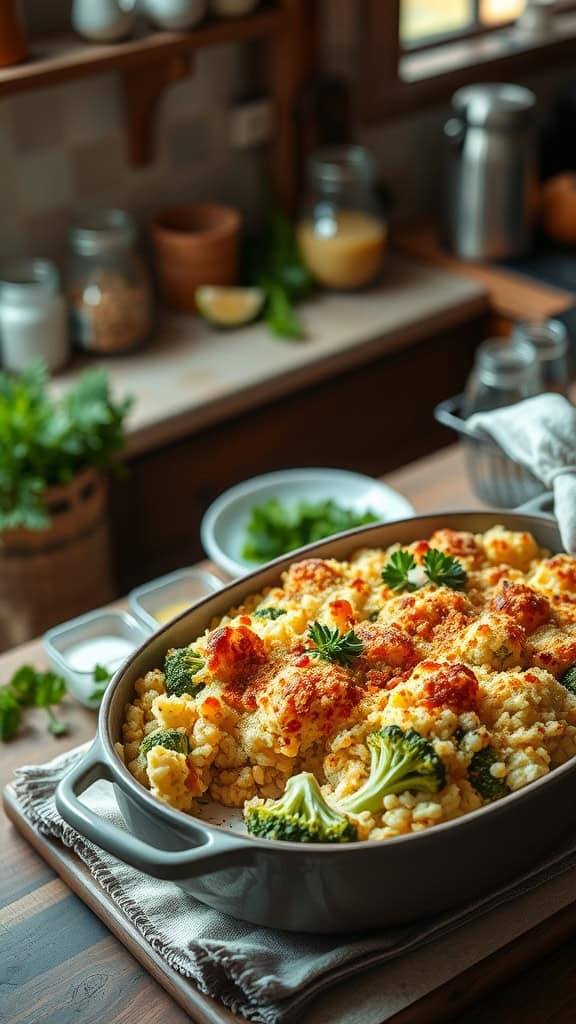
[491, 180]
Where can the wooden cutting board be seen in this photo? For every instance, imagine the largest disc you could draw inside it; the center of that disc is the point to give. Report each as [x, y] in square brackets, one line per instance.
[427, 986]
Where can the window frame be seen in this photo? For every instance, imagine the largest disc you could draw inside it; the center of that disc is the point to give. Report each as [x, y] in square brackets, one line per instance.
[392, 80]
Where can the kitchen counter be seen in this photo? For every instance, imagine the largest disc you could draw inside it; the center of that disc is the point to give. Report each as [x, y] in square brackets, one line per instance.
[73, 970]
[192, 376]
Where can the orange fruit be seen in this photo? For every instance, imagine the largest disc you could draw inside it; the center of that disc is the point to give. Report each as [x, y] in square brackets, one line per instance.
[558, 207]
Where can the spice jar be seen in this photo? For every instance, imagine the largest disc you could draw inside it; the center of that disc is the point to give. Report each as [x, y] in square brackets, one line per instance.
[13, 47]
[33, 316]
[110, 294]
[342, 233]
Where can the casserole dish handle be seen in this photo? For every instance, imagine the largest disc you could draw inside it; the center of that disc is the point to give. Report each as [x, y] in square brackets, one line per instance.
[214, 850]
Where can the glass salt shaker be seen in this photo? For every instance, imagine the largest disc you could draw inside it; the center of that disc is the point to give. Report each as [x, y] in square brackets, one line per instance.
[506, 371]
[550, 339]
[33, 316]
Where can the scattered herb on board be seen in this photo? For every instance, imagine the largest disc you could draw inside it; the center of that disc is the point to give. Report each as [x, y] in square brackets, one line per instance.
[273, 529]
[48, 440]
[332, 645]
[102, 677]
[401, 571]
[29, 688]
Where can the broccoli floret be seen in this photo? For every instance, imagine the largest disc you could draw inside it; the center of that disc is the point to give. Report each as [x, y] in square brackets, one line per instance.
[300, 815]
[568, 679]
[171, 739]
[180, 667]
[481, 777]
[399, 761]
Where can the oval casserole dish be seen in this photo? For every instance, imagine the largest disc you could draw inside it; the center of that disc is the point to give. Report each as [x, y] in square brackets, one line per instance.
[318, 888]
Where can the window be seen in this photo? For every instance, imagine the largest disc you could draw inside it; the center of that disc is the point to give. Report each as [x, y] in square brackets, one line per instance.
[423, 20]
[417, 52]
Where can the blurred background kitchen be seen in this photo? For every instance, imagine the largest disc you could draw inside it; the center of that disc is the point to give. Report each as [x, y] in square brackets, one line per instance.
[282, 230]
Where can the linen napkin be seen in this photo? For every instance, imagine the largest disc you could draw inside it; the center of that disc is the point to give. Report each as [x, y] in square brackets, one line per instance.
[540, 434]
[263, 975]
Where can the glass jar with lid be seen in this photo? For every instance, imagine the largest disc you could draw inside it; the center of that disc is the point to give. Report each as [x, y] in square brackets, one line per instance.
[342, 232]
[109, 286]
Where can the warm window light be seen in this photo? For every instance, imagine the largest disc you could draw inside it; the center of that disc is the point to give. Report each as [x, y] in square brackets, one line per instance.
[494, 11]
[422, 19]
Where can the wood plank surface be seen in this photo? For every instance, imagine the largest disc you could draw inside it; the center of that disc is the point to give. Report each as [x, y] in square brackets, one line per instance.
[59, 965]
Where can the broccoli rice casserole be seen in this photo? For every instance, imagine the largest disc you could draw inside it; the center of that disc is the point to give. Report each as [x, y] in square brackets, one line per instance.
[370, 698]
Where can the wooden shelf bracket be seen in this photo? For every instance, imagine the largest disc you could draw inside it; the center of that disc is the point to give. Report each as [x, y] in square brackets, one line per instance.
[143, 87]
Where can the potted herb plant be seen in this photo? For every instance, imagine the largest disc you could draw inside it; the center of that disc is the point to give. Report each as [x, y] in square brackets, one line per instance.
[54, 455]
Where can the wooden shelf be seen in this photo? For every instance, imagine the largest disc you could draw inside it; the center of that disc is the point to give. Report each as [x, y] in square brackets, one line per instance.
[151, 63]
[60, 58]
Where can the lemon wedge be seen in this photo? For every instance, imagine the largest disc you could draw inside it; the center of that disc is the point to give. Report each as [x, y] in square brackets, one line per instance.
[229, 307]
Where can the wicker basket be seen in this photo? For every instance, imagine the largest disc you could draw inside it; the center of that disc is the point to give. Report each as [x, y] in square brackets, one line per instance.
[47, 576]
[495, 478]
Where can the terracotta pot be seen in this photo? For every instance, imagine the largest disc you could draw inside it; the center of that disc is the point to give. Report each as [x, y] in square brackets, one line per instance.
[195, 245]
[13, 47]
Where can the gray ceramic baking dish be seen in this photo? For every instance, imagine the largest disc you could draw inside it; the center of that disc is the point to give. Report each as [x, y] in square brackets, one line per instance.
[317, 888]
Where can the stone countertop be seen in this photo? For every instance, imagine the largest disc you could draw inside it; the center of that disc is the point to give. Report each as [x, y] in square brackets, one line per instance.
[192, 376]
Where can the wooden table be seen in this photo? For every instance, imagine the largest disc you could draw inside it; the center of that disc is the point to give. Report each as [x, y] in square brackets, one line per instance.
[73, 971]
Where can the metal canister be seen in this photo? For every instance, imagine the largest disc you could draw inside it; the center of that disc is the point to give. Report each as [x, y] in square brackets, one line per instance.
[491, 181]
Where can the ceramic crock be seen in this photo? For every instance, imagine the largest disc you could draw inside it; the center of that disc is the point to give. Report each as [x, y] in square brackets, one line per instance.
[318, 888]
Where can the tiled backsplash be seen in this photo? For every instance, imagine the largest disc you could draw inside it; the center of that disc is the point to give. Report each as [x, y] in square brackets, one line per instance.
[63, 148]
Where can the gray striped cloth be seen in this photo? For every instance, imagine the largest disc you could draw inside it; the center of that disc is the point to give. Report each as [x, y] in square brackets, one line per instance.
[266, 976]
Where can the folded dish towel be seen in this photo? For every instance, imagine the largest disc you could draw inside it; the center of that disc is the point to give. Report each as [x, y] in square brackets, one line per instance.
[263, 975]
[540, 434]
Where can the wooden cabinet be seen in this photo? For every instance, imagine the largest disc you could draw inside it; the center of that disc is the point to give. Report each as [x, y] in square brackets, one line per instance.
[371, 419]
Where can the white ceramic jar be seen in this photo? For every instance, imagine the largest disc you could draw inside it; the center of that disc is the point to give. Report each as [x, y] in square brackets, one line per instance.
[232, 8]
[33, 316]
[103, 21]
[174, 14]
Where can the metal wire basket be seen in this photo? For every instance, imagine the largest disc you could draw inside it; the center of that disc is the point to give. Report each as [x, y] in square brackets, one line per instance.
[495, 478]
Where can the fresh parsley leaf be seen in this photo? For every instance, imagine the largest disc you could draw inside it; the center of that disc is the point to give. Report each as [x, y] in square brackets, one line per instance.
[48, 440]
[101, 675]
[10, 714]
[50, 688]
[395, 572]
[444, 570]
[269, 613]
[332, 645]
[26, 688]
[274, 529]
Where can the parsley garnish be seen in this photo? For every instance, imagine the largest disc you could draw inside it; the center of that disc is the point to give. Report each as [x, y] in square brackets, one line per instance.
[441, 569]
[101, 675]
[332, 645]
[269, 613]
[395, 572]
[444, 570]
[29, 688]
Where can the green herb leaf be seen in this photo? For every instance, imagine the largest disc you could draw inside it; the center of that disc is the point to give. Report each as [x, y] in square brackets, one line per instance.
[101, 675]
[332, 645]
[23, 685]
[10, 715]
[55, 726]
[444, 570]
[48, 440]
[269, 613]
[274, 529]
[395, 572]
[50, 688]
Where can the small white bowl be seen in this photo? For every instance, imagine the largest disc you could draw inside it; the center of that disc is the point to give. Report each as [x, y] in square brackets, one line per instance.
[222, 528]
[61, 644]
[162, 600]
